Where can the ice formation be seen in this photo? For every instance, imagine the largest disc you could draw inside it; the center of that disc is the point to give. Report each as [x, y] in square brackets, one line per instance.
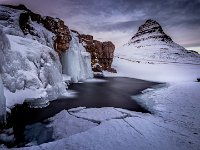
[33, 67]
[76, 61]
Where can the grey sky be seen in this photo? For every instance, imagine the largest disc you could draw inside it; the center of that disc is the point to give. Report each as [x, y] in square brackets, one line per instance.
[118, 20]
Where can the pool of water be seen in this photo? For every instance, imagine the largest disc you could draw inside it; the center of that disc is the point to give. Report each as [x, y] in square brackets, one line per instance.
[114, 92]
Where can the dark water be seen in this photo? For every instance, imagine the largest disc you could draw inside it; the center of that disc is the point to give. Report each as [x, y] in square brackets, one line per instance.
[116, 92]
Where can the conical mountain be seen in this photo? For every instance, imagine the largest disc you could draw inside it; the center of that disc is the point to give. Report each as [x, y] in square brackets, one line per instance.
[152, 44]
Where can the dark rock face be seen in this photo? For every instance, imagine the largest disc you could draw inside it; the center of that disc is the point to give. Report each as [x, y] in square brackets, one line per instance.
[151, 29]
[62, 33]
[101, 53]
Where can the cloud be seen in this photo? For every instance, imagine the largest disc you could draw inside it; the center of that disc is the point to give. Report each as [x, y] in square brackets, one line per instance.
[180, 18]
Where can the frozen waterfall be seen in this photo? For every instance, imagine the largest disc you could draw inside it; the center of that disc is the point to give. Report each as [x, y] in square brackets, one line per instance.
[76, 61]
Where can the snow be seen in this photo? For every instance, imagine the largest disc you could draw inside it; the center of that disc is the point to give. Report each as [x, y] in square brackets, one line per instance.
[151, 44]
[20, 95]
[11, 27]
[178, 102]
[159, 72]
[65, 125]
[125, 130]
[100, 114]
[44, 36]
[174, 123]
[76, 61]
[158, 53]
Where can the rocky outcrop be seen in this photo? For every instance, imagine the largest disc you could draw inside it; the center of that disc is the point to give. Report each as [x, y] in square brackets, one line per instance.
[101, 53]
[62, 32]
[62, 36]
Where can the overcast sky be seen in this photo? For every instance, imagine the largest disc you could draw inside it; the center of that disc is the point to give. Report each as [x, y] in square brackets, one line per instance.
[118, 20]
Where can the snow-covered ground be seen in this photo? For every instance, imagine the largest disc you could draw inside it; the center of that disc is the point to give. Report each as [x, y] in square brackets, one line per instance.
[157, 71]
[174, 123]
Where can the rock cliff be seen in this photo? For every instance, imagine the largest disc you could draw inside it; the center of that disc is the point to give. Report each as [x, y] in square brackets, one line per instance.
[101, 53]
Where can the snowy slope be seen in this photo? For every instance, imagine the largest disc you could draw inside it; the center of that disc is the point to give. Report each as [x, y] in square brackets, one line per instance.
[76, 61]
[151, 44]
[158, 72]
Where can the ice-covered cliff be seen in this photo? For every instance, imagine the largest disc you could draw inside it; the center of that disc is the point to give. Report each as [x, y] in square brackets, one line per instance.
[150, 43]
[76, 61]
[31, 68]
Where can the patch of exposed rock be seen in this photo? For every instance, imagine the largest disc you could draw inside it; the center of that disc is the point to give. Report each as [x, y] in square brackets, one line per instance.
[62, 36]
[101, 53]
[151, 29]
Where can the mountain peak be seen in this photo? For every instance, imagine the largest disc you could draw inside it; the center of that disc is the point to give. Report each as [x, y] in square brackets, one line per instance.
[151, 44]
[151, 29]
[151, 21]
[19, 7]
